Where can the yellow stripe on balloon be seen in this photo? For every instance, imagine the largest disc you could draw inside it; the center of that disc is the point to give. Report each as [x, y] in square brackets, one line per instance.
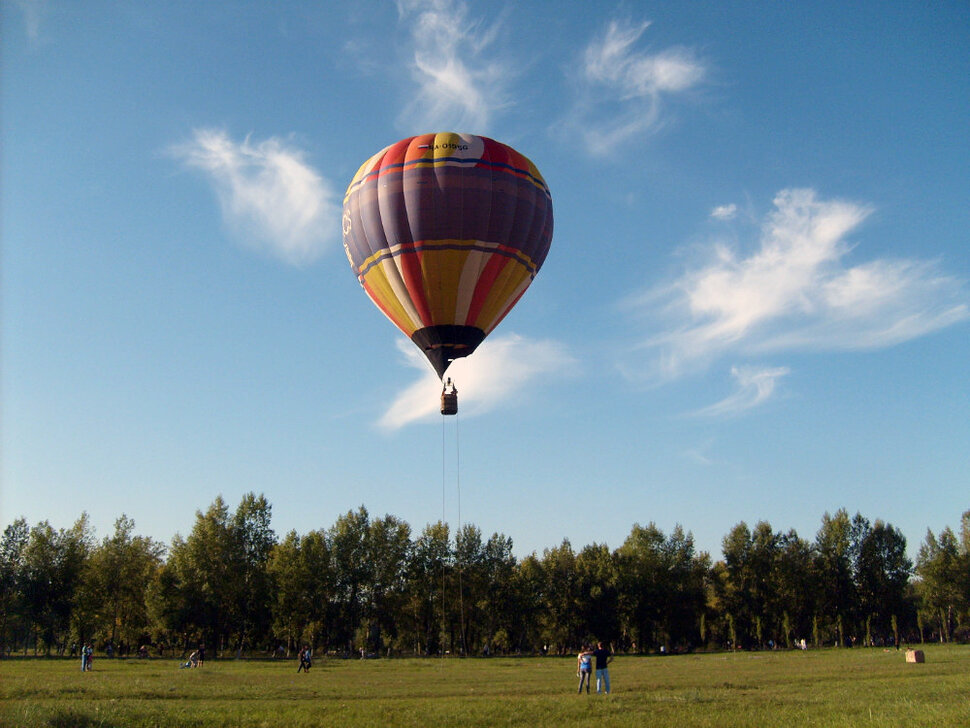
[384, 286]
[426, 246]
[440, 268]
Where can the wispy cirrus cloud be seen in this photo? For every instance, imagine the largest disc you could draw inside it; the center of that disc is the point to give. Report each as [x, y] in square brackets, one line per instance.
[797, 290]
[271, 198]
[622, 88]
[753, 386]
[34, 12]
[725, 212]
[462, 77]
[500, 369]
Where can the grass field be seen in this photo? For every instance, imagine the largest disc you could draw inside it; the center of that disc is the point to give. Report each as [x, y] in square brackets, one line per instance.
[851, 687]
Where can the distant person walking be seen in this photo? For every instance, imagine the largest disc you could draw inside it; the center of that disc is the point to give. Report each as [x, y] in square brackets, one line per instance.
[584, 668]
[603, 658]
[84, 658]
[304, 660]
[88, 656]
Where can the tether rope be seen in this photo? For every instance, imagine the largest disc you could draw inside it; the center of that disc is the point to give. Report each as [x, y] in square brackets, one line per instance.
[461, 591]
[458, 559]
[444, 481]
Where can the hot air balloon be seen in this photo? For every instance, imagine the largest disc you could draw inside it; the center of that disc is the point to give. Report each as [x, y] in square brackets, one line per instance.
[445, 232]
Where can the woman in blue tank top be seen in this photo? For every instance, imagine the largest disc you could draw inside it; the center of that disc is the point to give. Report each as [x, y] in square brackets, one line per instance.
[584, 665]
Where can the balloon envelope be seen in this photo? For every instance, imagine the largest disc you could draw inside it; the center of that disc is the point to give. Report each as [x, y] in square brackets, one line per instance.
[445, 232]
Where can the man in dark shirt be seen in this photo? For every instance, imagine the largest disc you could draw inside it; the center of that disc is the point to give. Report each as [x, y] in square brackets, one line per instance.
[603, 658]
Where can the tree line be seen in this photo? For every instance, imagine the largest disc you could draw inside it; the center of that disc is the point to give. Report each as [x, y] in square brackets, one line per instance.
[373, 586]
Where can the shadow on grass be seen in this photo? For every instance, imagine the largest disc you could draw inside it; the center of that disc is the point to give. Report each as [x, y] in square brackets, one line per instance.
[74, 719]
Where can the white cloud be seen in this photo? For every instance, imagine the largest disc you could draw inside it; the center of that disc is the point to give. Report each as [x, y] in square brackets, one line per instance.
[460, 85]
[623, 89]
[271, 198]
[754, 386]
[725, 212]
[700, 454]
[797, 290]
[34, 12]
[499, 370]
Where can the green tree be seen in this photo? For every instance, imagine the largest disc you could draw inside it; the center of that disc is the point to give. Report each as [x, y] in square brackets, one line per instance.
[12, 574]
[965, 533]
[882, 572]
[428, 571]
[196, 595]
[497, 603]
[941, 572]
[687, 574]
[598, 609]
[764, 583]
[353, 573]
[215, 587]
[738, 583]
[250, 542]
[562, 626]
[52, 567]
[302, 575]
[470, 582]
[528, 599]
[834, 573]
[795, 589]
[661, 588]
[169, 603]
[767, 611]
[116, 579]
[388, 544]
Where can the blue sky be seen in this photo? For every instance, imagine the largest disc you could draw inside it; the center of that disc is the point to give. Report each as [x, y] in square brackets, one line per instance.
[756, 304]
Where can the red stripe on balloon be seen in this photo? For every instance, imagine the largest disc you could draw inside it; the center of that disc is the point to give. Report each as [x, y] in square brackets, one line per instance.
[483, 286]
[413, 278]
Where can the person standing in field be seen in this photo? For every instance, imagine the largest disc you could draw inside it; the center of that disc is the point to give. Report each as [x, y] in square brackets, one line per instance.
[84, 658]
[603, 658]
[584, 665]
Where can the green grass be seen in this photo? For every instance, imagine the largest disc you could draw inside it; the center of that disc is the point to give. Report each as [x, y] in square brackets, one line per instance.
[857, 687]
